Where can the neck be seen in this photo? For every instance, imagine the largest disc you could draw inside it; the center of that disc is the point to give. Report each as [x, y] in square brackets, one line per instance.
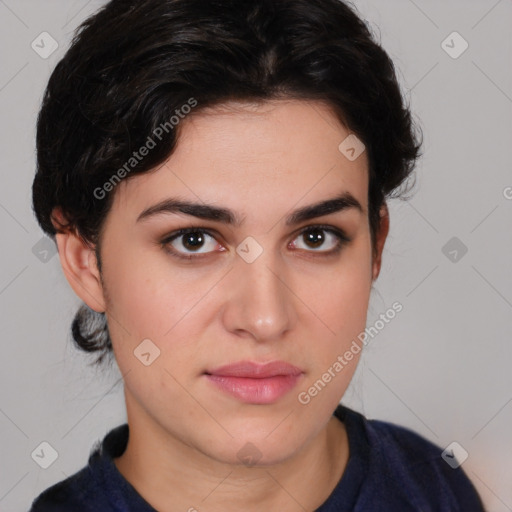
[173, 476]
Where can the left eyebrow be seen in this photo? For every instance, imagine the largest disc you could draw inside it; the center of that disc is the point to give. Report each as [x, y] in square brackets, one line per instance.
[344, 201]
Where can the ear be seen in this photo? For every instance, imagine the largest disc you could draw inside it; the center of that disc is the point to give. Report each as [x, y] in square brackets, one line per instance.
[380, 239]
[79, 264]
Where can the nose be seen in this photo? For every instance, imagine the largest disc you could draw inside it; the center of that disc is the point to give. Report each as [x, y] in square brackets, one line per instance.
[261, 303]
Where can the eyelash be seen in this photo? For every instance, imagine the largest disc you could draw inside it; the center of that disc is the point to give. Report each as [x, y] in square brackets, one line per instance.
[343, 239]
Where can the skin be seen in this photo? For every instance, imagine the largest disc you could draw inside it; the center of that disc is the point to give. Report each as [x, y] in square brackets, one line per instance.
[262, 161]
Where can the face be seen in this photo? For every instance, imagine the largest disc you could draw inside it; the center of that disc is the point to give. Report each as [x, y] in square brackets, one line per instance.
[258, 281]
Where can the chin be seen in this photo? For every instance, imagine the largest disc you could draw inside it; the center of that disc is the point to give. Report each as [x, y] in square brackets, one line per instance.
[257, 446]
[253, 455]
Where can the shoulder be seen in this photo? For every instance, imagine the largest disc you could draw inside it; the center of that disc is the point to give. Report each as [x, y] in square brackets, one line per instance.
[99, 486]
[403, 460]
[397, 442]
[66, 495]
[84, 490]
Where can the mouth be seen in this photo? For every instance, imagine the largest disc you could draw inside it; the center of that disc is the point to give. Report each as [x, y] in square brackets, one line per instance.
[255, 383]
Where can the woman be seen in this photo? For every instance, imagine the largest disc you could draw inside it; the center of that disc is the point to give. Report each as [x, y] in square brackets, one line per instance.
[215, 175]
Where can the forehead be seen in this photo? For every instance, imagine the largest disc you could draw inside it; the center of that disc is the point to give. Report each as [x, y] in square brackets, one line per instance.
[254, 157]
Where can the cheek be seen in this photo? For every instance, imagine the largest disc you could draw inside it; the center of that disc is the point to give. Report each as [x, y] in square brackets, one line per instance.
[338, 347]
[344, 294]
[341, 303]
[154, 299]
[148, 294]
[142, 303]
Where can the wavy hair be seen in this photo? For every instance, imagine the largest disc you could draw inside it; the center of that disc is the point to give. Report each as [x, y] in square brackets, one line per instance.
[132, 64]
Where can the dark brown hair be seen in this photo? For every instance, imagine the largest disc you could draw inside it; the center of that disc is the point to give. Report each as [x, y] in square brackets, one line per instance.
[133, 64]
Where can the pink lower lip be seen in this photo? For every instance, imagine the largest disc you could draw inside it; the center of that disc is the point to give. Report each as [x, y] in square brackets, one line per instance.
[265, 390]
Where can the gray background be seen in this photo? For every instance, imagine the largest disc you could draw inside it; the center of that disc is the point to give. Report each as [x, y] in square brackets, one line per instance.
[441, 367]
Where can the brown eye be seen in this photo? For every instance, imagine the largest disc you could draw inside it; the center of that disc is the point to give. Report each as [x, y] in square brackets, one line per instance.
[315, 238]
[320, 239]
[187, 242]
[193, 241]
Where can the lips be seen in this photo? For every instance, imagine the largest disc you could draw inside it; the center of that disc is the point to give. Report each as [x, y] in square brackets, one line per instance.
[255, 383]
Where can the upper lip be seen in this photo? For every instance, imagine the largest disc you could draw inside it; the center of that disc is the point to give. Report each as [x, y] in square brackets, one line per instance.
[251, 369]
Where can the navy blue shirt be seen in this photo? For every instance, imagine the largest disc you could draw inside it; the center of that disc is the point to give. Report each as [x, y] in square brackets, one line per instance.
[390, 469]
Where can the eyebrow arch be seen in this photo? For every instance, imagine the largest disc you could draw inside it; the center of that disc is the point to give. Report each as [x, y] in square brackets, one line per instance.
[343, 201]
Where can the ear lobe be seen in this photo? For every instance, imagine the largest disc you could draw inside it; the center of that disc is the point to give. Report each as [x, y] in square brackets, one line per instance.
[381, 236]
[79, 264]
